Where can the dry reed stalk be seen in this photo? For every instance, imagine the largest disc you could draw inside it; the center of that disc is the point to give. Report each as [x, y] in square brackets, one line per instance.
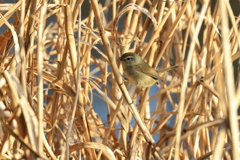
[51, 78]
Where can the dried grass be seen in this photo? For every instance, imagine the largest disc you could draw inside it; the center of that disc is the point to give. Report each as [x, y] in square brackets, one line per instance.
[47, 87]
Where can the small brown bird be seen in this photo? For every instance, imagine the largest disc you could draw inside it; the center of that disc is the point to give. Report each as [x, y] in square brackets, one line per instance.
[139, 72]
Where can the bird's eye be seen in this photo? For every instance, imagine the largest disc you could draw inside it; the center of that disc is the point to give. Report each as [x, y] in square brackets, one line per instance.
[128, 59]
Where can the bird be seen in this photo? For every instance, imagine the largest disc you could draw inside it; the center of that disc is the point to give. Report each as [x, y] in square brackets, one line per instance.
[139, 73]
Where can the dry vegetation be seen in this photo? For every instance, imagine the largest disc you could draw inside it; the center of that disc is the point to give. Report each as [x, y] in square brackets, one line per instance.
[48, 91]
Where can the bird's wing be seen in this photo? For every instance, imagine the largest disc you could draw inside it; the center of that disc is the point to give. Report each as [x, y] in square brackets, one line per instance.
[164, 70]
[152, 73]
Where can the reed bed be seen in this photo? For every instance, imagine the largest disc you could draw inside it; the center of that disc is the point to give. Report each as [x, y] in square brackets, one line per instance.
[63, 95]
